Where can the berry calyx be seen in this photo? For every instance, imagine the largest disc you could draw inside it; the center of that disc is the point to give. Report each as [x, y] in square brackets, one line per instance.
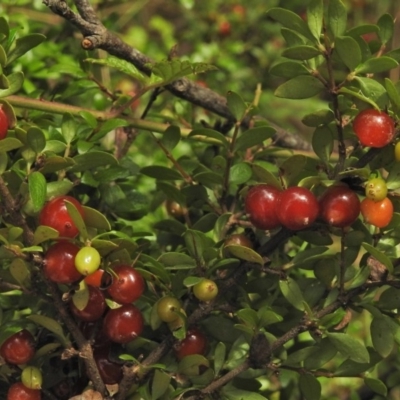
[123, 324]
[127, 284]
[205, 290]
[167, 307]
[260, 205]
[94, 308]
[18, 391]
[377, 213]
[55, 215]
[376, 189]
[297, 208]
[59, 263]
[32, 377]
[195, 342]
[87, 260]
[18, 348]
[339, 206]
[4, 123]
[374, 128]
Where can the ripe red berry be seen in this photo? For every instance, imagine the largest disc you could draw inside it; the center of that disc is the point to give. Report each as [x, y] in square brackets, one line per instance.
[55, 215]
[123, 324]
[339, 206]
[18, 348]
[127, 286]
[297, 208]
[59, 264]
[94, 308]
[18, 391]
[95, 279]
[377, 213]
[195, 342]
[110, 371]
[260, 204]
[4, 123]
[374, 128]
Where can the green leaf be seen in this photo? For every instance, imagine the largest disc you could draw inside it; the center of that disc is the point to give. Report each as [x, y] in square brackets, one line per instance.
[358, 95]
[254, 137]
[81, 296]
[382, 335]
[265, 176]
[24, 44]
[196, 242]
[289, 69]
[337, 17]
[244, 253]
[249, 317]
[372, 89]
[208, 179]
[206, 223]
[37, 190]
[324, 352]
[386, 28]
[376, 386]
[349, 347]
[322, 143]
[95, 219]
[300, 87]
[4, 28]
[77, 219]
[219, 357]
[107, 127]
[236, 105]
[240, 173]
[120, 65]
[292, 167]
[172, 259]
[68, 128]
[349, 51]
[162, 173]
[383, 258]
[302, 52]
[92, 159]
[375, 65]
[315, 17]
[318, 117]
[310, 387]
[290, 20]
[393, 179]
[50, 324]
[43, 233]
[19, 271]
[171, 137]
[9, 143]
[201, 133]
[292, 293]
[267, 317]
[15, 82]
[230, 392]
[89, 118]
[56, 163]
[393, 94]
[160, 384]
[36, 139]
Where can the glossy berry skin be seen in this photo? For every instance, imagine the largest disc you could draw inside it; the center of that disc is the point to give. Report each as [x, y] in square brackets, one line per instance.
[123, 324]
[377, 213]
[87, 260]
[110, 372]
[18, 348]
[195, 342]
[339, 206]
[59, 263]
[95, 279]
[127, 286]
[18, 391]
[166, 308]
[95, 307]
[32, 377]
[376, 189]
[4, 123]
[55, 215]
[205, 290]
[374, 128]
[238, 239]
[297, 208]
[260, 205]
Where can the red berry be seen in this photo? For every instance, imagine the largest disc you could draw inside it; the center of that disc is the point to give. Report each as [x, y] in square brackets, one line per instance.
[95, 279]
[127, 286]
[18, 391]
[374, 128]
[59, 264]
[110, 371]
[55, 215]
[297, 208]
[18, 348]
[377, 213]
[339, 206]
[195, 342]
[4, 123]
[224, 28]
[123, 324]
[260, 204]
[94, 308]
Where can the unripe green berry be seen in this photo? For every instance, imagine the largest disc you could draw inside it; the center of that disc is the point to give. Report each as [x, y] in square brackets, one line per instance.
[32, 377]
